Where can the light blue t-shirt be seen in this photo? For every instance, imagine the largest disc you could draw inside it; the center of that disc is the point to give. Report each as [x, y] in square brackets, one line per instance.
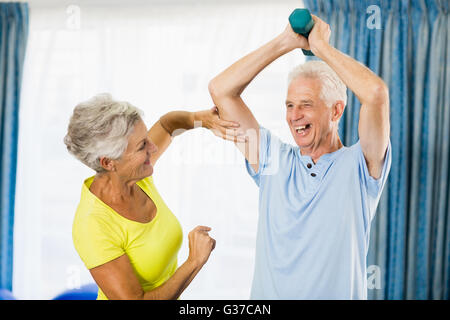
[314, 221]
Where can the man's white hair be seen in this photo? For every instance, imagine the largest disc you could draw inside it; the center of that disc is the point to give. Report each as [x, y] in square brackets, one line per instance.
[332, 90]
[100, 127]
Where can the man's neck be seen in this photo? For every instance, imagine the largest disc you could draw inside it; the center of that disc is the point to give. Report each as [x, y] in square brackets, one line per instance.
[330, 144]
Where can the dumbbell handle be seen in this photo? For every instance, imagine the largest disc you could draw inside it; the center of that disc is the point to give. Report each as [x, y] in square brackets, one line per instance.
[302, 23]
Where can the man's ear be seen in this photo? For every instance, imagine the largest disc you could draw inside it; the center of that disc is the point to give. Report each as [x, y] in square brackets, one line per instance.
[107, 164]
[338, 110]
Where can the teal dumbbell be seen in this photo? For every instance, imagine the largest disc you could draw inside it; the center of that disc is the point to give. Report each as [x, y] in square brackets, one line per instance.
[302, 23]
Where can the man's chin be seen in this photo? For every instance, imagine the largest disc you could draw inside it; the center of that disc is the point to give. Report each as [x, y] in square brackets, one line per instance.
[303, 143]
[303, 146]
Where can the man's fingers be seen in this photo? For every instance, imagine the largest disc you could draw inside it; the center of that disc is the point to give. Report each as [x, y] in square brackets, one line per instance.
[315, 18]
[318, 20]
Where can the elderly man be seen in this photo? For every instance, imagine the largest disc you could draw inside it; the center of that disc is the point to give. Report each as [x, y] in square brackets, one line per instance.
[316, 199]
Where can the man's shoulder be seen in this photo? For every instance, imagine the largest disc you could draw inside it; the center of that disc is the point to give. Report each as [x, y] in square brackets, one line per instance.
[285, 152]
[354, 146]
[274, 139]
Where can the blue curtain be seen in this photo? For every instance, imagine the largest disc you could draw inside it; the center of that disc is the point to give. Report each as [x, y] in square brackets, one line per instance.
[13, 38]
[410, 237]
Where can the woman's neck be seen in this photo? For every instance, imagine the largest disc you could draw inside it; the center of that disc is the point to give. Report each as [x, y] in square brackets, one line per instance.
[113, 187]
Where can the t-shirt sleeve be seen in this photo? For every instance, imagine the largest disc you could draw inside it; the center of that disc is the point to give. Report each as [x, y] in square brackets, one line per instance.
[269, 147]
[373, 186]
[96, 241]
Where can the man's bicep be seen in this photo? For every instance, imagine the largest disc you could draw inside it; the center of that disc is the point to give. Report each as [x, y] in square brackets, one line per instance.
[235, 109]
[117, 279]
[374, 130]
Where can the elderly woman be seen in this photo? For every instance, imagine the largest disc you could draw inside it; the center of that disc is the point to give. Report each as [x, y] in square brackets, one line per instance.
[123, 231]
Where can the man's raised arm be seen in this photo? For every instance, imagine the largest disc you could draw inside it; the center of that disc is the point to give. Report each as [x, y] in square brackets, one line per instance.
[371, 91]
[227, 87]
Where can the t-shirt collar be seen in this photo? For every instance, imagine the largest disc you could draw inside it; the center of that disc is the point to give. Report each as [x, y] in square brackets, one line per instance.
[324, 159]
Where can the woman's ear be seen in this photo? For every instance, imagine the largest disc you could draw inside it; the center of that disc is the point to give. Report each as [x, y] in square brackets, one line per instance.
[107, 164]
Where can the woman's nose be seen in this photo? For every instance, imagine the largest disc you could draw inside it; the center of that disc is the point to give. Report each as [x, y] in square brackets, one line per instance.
[152, 147]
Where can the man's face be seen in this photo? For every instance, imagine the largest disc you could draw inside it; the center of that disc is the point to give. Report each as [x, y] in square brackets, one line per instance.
[309, 118]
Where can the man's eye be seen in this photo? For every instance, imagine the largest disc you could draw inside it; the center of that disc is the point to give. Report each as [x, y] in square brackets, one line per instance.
[289, 106]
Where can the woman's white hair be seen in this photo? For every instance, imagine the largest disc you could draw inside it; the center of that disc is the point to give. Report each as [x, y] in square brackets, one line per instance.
[100, 127]
[332, 90]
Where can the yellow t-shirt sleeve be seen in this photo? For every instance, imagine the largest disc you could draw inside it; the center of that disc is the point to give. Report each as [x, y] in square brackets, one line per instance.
[96, 241]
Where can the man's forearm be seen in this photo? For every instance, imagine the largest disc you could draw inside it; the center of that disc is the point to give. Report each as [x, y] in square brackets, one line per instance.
[235, 79]
[365, 84]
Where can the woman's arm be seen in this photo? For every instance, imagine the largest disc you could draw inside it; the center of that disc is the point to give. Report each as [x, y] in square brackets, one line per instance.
[118, 281]
[175, 123]
[161, 132]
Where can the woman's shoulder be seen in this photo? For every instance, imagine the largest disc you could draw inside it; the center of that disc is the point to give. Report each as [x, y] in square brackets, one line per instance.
[86, 216]
[91, 209]
[89, 203]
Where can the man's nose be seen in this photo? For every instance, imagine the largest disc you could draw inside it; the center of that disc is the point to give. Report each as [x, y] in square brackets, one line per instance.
[297, 113]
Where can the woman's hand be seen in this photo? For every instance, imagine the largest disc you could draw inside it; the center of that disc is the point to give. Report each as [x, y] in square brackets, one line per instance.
[200, 245]
[227, 130]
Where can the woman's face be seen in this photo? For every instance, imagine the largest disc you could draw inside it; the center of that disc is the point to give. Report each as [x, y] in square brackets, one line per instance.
[135, 162]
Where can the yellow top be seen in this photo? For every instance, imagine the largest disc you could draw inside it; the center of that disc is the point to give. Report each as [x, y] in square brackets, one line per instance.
[100, 235]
